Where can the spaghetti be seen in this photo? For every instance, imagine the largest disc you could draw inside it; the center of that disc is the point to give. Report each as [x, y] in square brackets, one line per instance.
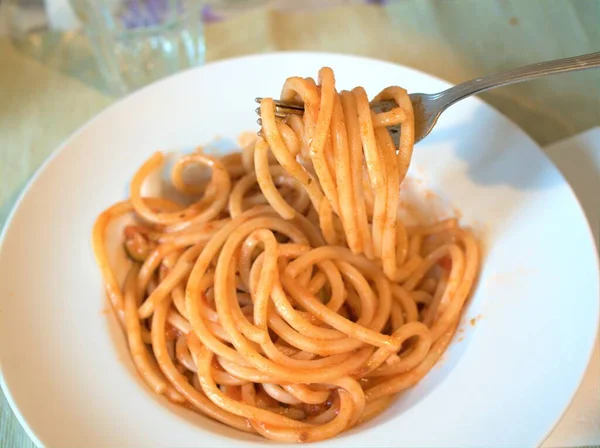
[289, 300]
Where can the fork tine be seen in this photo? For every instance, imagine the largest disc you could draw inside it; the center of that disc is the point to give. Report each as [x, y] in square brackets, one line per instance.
[291, 111]
[285, 105]
[279, 113]
[282, 104]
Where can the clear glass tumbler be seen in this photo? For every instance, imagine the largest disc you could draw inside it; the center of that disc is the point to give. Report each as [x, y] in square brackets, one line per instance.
[139, 41]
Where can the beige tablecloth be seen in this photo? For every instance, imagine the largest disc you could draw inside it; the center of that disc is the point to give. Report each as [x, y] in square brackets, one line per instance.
[42, 102]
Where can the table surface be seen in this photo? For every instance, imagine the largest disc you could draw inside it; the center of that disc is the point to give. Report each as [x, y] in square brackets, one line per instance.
[45, 97]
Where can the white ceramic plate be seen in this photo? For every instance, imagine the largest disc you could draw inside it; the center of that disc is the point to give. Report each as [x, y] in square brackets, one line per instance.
[503, 382]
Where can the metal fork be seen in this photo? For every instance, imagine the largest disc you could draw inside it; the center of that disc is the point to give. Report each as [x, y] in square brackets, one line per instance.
[428, 107]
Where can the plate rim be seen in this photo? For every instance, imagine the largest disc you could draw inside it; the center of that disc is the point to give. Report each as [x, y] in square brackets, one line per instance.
[91, 121]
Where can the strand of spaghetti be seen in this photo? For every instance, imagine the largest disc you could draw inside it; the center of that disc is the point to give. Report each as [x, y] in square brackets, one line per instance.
[318, 145]
[396, 316]
[344, 176]
[321, 432]
[287, 251]
[401, 243]
[407, 128]
[234, 164]
[292, 316]
[390, 118]
[98, 245]
[383, 310]
[405, 380]
[177, 176]
[305, 394]
[368, 299]
[246, 258]
[365, 265]
[265, 181]
[291, 190]
[225, 378]
[296, 123]
[178, 294]
[452, 311]
[275, 355]
[392, 187]
[321, 347]
[151, 263]
[268, 277]
[285, 309]
[204, 359]
[245, 373]
[328, 414]
[289, 137]
[178, 322]
[243, 323]
[256, 199]
[137, 348]
[389, 238]
[236, 198]
[406, 301]
[179, 381]
[178, 273]
[328, 348]
[410, 330]
[429, 229]
[405, 362]
[327, 223]
[317, 282]
[353, 388]
[373, 162]
[356, 164]
[436, 307]
[279, 394]
[291, 195]
[194, 233]
[299, 90]
[201, 211]
[458, 263]
[415, 244]
[295, 320]
[338, 322]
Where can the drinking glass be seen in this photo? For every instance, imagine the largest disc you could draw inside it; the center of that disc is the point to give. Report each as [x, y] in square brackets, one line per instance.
[139, 41]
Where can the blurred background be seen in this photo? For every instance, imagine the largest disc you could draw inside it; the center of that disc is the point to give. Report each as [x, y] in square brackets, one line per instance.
[107, 48]
[63, 61]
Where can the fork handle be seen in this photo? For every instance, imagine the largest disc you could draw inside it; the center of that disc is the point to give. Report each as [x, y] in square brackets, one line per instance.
[460, 91]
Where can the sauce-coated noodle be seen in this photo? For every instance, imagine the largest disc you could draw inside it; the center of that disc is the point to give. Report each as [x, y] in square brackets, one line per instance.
[288, 299]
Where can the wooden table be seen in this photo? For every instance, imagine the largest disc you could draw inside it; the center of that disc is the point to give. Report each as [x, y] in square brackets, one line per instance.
[43, 100]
